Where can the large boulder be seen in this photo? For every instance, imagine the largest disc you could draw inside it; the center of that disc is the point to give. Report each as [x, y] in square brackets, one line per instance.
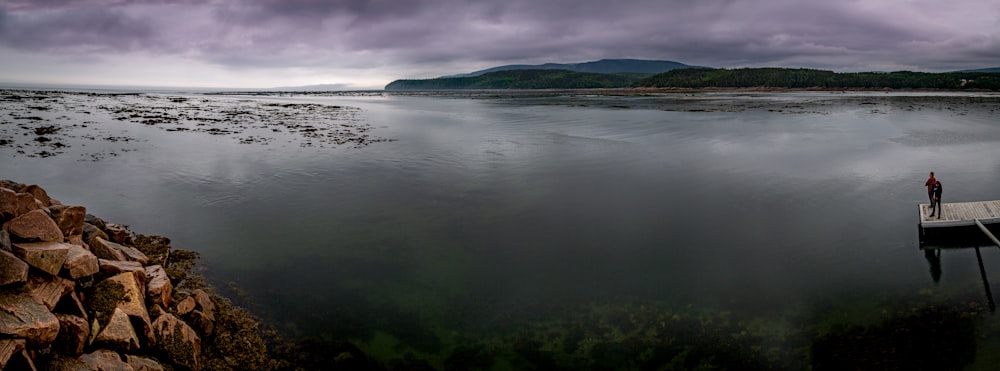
[123, 292]
[73, 334]
[115, 267]
[158, 287]
[177, 341]
[46, 256]
[49, 289]
[13, 203]
[34, 225]
[80, 262]
[38, 193]
[12, 269]
[105, 249]
[187, 305]
[118, 334]
[204, 302]
[69, 218]
[24, 316]
[203, 319]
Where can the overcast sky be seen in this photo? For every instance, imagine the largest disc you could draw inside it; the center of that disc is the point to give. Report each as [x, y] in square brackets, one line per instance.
[357, 44]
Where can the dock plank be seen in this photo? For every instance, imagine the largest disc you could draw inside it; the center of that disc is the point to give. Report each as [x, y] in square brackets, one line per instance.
[960, 214]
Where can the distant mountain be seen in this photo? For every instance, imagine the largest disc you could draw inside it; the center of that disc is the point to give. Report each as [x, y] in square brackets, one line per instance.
[605, 73]
[994, 69]
[638, 66]
[521, 79]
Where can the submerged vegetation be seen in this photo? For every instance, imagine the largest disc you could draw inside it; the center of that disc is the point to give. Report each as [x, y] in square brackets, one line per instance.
[921, 331]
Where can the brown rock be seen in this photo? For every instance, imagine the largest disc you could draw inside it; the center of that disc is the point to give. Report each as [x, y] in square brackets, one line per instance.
[177, 341]
[118, 334]
[34, 225]
[122, 291]
[90, 231]
[80, 262]
[77, 239]
[69, 218]
[105, 249]
[25, 203]
[38, 193]
[12, 269]
[202, 321]
[114, 267]
[158, 287]
[49, 289]
[24, 316]
[73, 334]
[205, 302]
[10, 184]
[95, 221]
[8, 203]
[142, 364]
[105, 360]
[8, 347]
[46, 256]
[118, 233]
[186, 306]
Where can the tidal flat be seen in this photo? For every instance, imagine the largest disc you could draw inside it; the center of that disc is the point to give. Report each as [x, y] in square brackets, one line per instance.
[554, 229]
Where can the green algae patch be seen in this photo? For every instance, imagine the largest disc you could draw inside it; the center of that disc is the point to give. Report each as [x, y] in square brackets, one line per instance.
[104, 297]
[238, 341]
[156, 248]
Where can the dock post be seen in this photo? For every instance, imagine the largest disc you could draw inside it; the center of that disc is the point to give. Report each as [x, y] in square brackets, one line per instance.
[987, 232]
[986, 283]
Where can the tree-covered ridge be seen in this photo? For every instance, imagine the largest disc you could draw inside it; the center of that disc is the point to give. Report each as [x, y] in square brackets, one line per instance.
[807, 78]
[520, 79]
[710, 78]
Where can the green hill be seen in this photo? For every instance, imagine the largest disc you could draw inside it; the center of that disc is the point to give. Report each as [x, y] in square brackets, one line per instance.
[639, 66]
[520, 79]
[807, 78]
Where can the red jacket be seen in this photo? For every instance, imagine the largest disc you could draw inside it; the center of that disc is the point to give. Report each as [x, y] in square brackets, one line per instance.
[930, 184]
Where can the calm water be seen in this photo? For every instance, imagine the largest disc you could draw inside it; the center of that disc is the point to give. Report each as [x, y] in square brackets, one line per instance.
[494, 211]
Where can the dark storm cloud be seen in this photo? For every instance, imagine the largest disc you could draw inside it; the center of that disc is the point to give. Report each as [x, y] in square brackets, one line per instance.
[81, 29]
[424, 35]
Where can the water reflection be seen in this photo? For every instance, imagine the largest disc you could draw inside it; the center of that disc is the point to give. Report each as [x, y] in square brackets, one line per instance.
[935, 241]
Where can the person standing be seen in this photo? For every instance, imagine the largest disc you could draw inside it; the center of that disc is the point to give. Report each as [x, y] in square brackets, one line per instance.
[930, 188]
[936, 200]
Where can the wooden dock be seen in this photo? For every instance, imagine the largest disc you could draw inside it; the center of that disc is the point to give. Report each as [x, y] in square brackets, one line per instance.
[961, 214]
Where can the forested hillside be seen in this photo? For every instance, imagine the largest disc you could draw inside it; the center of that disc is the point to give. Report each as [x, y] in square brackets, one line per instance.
[807, 78]
[710, 78]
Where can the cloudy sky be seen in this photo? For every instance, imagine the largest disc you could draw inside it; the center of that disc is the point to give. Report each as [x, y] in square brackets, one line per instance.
[358, 44]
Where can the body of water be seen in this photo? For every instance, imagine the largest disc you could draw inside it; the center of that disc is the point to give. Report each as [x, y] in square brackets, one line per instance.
[501, 225]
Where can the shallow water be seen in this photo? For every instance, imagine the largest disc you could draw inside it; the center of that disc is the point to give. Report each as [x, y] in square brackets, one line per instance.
[488, 212]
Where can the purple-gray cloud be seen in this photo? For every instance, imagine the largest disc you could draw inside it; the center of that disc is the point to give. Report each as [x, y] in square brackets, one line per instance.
[423, 38]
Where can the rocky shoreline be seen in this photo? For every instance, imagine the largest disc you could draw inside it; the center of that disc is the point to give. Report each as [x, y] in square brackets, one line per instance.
[78, 293]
